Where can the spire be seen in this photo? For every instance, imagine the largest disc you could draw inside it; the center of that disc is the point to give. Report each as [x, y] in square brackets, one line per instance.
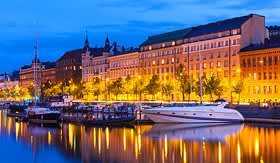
[107, 45]
[86, 41]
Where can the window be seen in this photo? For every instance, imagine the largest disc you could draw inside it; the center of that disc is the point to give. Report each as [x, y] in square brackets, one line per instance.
[212, 45]
[219, 74]
[275, 89]
[276, 60]
[244, 63]
[167, 69]
[219, 55]
[172, 60]
[197, 66]
[234, 53]
[226, 54]
[249, 62]
[186, 49]
[254, 62]
[157, 62]
[158, 70]
[226, 43]
[186, 59]
[167, 61]
[234, 63]
[204, 65]
[234, 42]
[264, 89]
[191, 67]
[270, 75]
[211, 56]
[264, 61]
[162, 61]
[260, 76]
[264, 75]
[270, 61]
[197, 58]
[275, 75]
[162, 70]
[249, 76]
[259, 62]
[211, 64]
[204, 57]
[255, 76]
[191, 58]
[219, 64]
[178, 60]
[226, 73]
[154, 62]
[226, 63]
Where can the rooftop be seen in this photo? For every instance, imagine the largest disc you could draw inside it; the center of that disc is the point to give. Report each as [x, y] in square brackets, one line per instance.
[260, 47]
[210, 28]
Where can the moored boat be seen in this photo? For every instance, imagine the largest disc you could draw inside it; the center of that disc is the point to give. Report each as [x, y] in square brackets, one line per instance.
[42, 115]
[209, 113]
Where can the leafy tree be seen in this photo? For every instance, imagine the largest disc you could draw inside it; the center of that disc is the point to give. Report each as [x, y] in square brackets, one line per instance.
[138, 88]
[238, 88]
[167, 89]
[154, 86]
[30, 90]
[128, 85]
[212, 85]
[116, 87]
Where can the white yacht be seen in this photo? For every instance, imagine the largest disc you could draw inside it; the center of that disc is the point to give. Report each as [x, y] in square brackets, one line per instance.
[209, 113]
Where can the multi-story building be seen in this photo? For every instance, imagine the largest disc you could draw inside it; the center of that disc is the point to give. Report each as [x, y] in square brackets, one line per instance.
[69, 66]
[49, 72]
[260, 69]
[95, 63]
[27, 75]
[216, 45]
[46, 72]
[7, 83]
[124, 64]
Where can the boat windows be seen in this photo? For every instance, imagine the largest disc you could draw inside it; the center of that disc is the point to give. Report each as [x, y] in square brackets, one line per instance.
[210, 114]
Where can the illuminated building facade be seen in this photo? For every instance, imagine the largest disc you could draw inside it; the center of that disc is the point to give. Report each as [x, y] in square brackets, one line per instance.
[260, 69]
[123, 65]
[217, 45]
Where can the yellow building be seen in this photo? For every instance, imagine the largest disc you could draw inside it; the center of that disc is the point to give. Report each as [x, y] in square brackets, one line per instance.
[260, 69]
[215, 45]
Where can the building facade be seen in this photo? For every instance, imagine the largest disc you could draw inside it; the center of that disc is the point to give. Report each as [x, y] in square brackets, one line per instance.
[46, 72]
[27, 75]
[126, 64]
[215, 45]
[260, 69]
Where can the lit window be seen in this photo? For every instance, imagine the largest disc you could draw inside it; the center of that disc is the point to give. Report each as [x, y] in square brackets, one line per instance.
[173, 43]
[154, 62]
[162, 61]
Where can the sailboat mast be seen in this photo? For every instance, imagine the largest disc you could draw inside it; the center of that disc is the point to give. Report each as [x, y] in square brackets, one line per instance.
[200, 75]
[35, 67]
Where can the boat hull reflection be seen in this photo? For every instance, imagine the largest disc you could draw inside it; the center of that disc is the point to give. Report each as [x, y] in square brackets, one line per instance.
[194, 132]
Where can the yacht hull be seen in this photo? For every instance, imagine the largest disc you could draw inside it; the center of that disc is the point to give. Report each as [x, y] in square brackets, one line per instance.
[193, 115]
[188, 119]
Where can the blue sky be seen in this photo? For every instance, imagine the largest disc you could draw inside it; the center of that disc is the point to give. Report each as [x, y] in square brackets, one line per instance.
[62, 23]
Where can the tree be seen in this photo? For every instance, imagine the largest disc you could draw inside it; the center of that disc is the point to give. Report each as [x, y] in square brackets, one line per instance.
[238, 88]
[30, 90]
[116, 87]
[128, 85]
[154, 86]
[167, 89]
[212, 85]
[138, 88]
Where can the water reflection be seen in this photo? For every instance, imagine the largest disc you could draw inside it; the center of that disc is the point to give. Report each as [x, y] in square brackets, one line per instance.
[146, 143]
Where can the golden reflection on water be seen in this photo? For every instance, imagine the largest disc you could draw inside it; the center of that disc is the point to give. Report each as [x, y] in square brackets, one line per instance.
[158, 143]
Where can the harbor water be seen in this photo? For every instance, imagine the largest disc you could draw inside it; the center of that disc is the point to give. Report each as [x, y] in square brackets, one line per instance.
[138, 143]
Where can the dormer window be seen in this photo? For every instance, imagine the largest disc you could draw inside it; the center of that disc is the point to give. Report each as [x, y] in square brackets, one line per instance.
[234, 32]
[163, 45]
[173, 43]
[150, 47]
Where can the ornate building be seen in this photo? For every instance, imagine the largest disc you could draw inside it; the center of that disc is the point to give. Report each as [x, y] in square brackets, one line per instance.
[260, 69]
